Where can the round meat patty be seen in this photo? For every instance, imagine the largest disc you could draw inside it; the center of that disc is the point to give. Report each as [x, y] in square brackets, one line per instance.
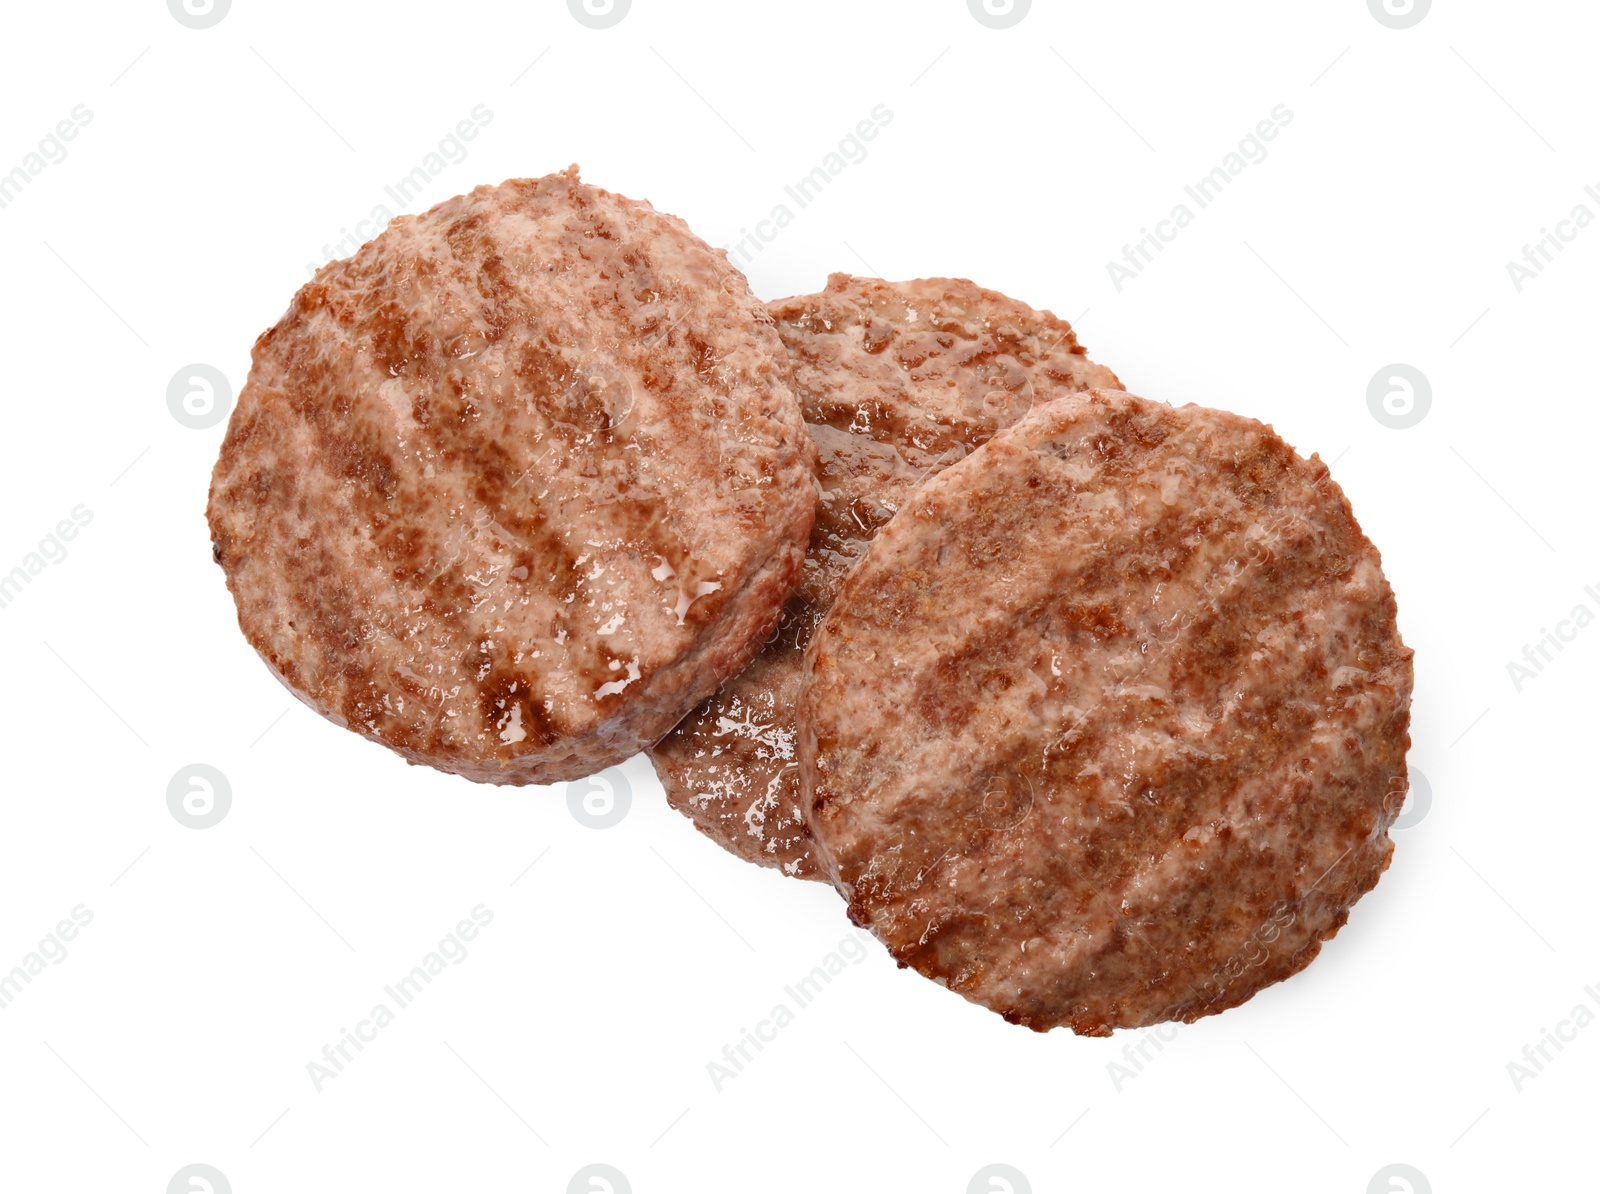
[1108, 726]
[517, 485]
[897, 380]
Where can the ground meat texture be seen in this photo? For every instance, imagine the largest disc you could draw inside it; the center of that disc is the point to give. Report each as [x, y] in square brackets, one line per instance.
[898, 380]
[517, 485]
[1109, 725]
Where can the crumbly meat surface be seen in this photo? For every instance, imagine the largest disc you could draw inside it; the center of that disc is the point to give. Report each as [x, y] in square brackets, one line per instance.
[898, 380]
[1109, 725]
[517, 485]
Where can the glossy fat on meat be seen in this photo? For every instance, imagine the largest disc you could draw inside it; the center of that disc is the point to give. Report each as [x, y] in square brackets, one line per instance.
[897, 380]
[517, 485]
[1109, 725]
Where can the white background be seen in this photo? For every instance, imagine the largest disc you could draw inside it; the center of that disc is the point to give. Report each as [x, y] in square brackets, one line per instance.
[218, 963]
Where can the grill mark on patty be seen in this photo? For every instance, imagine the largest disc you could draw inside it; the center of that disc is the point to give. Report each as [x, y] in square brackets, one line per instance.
[957, 688]
[456, 407]
[881, 427]
[1251, 637]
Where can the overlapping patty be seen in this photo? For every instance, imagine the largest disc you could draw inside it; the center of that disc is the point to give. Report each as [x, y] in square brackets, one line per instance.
[897, 381]
[1107, 726]
[517, 485]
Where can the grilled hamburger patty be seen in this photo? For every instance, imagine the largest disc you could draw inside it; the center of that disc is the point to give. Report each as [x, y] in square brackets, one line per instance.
[897, 380]
[517, 485]
[1108, 726]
